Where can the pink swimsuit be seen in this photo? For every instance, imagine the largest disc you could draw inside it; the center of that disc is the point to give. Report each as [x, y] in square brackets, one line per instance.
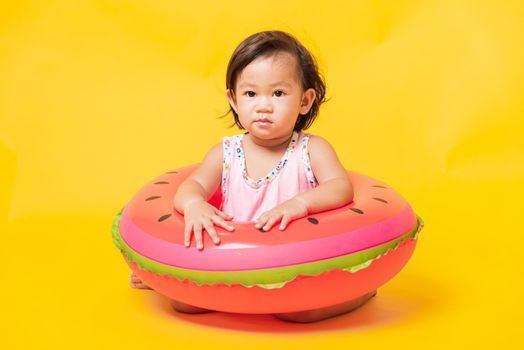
[245, 198]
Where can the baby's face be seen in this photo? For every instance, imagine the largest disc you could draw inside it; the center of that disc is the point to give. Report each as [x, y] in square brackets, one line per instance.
[269, 96]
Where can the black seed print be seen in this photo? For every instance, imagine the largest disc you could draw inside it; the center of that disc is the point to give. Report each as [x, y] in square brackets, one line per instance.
[163, 217]
[161, 183]
[357, 210]
[172, 172]
[152, 197]
[379, 186]
[313, 221]
[380, 200]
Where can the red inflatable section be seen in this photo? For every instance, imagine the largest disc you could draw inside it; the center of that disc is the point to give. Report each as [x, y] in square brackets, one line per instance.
[153, 229]
[303, 293]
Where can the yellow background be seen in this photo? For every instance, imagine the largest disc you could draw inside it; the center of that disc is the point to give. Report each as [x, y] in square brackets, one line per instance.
[99, 97]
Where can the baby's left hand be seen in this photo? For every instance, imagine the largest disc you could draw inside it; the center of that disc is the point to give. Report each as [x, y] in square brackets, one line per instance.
[285, 212]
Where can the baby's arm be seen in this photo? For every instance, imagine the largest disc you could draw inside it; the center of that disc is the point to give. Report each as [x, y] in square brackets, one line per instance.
[334, 189]
[192, 196]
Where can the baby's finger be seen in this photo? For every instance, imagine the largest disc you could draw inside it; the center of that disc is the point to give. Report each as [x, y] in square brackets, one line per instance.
[272, 219]
[285, 220]
[220, 222]
[187, 235]
[262, 219]
[198, 236]
[212, 232]
[223, 215]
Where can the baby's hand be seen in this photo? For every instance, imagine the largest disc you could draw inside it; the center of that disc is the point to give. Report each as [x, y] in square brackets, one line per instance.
[292, 209]
[200, 215]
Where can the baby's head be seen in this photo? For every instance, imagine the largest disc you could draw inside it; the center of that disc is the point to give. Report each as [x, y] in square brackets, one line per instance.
[292, 63]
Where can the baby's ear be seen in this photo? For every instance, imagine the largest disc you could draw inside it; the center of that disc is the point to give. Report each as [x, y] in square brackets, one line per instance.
[307, 101]
[232, 99]
[230, 94]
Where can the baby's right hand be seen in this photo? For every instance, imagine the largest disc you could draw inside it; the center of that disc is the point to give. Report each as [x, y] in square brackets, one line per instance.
[200, 215]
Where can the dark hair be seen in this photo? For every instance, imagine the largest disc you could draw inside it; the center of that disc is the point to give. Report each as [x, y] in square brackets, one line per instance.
[271, 42]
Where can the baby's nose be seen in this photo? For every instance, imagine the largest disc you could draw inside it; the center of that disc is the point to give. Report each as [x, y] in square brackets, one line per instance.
[264, 106]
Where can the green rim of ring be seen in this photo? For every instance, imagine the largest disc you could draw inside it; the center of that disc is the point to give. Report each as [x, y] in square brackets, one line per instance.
[265, 278]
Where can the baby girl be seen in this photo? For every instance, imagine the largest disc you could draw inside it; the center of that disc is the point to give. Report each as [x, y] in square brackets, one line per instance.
[274, 172]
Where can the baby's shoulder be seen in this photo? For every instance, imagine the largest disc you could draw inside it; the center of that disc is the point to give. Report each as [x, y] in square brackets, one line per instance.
[214, 153]
[316, 142]
[319, 148]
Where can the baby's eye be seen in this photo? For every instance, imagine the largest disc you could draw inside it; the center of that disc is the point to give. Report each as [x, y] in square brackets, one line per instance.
[250, 93]
[279, 93]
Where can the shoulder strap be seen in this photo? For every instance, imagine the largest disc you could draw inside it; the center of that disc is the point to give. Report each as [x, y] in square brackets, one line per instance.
[305, 159]
[228, 145]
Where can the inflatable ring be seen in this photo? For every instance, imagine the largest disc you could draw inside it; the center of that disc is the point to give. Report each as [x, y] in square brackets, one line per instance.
[317, 261]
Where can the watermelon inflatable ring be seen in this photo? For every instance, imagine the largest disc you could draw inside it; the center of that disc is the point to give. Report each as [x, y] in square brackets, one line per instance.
[317, 261]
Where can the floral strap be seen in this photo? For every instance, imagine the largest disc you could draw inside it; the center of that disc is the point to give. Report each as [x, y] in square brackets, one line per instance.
[306, 161]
